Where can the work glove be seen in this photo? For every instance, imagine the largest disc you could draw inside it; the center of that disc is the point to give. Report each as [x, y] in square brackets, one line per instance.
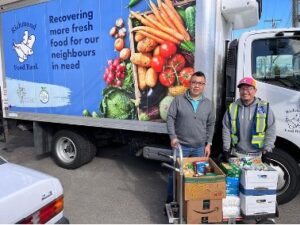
[265, 156]
[227, 154]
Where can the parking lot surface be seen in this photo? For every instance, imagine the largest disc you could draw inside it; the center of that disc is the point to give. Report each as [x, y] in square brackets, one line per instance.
[114, 188]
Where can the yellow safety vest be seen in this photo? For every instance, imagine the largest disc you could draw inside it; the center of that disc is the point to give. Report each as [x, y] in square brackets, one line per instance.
[258, 127]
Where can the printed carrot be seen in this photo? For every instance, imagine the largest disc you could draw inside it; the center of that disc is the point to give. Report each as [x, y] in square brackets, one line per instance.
[156, 32]
[171, 6]
[168, 30]
[166, 18]
[177, 23]
[157, 13]
[155, 38]
[159, 3]
[152, 16]
[142, 20]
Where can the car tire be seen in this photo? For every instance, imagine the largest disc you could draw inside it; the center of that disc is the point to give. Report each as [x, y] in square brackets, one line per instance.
[71, 149]
[289, 175]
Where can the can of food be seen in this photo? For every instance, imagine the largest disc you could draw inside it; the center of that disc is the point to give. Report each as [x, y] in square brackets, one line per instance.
[199, 168]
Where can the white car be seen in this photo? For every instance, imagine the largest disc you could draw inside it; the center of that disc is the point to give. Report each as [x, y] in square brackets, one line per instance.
[28, 196]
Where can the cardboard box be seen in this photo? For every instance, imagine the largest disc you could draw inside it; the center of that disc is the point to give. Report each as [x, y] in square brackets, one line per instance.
[255, 179]
[203, 187]
[258, 205]
[203, 211]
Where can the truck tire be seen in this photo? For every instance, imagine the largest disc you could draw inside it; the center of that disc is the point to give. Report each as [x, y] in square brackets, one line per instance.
[289, 175]
[71, 149]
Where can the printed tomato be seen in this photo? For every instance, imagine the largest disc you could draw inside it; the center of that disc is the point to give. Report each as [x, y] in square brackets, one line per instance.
[157, 63]
[167, 49]
[176, 62]
[185, 76]
[167, 77]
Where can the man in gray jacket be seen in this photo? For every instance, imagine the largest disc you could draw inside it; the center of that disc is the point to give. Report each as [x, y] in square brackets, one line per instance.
[191, 122]
[248, 124]
[191, 119]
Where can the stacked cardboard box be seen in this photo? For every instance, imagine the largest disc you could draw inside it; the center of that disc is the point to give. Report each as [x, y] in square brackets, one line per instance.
[258, 191]
[203, 195]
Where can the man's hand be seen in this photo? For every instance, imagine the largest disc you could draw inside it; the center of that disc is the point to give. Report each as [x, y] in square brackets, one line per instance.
[174, 143]
[207, 151]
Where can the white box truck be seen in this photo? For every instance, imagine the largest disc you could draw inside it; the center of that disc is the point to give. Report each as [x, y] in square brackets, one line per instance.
[65, 68]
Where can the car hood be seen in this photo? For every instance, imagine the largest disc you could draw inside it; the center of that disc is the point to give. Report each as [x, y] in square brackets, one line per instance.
[24, 191]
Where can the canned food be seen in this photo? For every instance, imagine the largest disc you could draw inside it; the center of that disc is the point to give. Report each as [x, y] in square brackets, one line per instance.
[199, 168]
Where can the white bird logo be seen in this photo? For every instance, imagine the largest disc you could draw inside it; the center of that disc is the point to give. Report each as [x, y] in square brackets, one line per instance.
[24, 48]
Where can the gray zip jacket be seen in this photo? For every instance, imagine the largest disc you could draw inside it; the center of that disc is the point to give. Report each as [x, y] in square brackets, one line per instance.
[246, 116]
[192, 129]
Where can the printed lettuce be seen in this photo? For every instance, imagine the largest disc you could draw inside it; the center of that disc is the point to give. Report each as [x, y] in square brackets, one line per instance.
[117, 104]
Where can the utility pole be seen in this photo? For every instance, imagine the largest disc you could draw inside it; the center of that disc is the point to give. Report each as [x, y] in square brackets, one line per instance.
[295, 10]
[273, 21]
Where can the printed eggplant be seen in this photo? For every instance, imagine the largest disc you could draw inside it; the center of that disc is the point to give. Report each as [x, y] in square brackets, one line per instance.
[152, 96]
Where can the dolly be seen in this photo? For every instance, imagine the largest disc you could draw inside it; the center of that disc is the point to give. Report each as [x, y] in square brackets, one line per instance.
[174, 209]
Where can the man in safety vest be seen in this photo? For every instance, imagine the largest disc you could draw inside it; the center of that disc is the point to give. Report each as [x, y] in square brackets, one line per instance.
[248, 124]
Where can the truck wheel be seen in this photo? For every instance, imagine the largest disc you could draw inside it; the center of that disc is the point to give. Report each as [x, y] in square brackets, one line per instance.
[71, 150]
[289, 179]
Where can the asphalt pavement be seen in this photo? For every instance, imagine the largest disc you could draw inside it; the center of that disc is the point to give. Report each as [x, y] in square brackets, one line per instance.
[114, 188]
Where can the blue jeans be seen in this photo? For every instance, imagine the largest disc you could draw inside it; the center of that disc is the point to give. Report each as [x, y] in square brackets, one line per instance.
[186, 152]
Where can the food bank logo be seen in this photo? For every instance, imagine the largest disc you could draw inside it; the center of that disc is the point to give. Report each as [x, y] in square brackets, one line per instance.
[24, 49]
[293, 118]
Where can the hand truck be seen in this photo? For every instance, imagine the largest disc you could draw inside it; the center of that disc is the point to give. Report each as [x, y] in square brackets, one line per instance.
[174, 209]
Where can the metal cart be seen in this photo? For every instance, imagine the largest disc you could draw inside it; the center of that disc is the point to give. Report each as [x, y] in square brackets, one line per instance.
[174, 209]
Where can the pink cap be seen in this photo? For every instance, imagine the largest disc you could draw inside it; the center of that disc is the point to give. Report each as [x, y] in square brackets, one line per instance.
[248, 81]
